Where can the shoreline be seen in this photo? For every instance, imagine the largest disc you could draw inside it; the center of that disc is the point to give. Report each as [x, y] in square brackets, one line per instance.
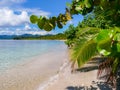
[52, 80]
[31, 74]
[56, 76]
[84, 78]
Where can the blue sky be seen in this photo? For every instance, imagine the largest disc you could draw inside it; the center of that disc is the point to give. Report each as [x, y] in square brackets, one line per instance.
[14, 15]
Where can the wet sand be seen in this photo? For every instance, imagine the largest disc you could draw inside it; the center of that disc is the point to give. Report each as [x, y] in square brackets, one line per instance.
[32, 74]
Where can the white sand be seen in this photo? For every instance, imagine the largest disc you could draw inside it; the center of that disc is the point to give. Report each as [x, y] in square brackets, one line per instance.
[78, 80]
[50, 71]
[30, 75]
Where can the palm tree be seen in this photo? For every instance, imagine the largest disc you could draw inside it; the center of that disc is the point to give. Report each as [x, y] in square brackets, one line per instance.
[106, 43]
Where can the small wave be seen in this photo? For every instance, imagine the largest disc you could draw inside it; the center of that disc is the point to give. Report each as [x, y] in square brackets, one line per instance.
[53, 79]
[49, 82]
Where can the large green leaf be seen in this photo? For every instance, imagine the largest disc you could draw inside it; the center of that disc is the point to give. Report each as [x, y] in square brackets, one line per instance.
[104, 41]
[41, 23]
[67, 15]
[48, 26]
[79, 7]
[59, 25]
[104, 47]
[53, 21]
[117, 37]
[33, 19]
[101, 36]
[117, 42]
[118, 47]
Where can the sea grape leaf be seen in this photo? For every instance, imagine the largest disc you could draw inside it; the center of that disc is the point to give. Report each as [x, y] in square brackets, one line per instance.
[80, 6]
[117, 37]
[53, 21]
[117, 41]
[118, 47]
[105, 44]
[103, 51]
[33, 19]
[59, 25]
[41, 23]
[48, 26]
[104, 41]
[67, 15]
[103, 34]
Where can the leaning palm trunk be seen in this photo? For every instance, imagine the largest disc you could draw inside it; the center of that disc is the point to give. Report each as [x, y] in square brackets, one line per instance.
[105, 70]
[109, 70]
[118, 79]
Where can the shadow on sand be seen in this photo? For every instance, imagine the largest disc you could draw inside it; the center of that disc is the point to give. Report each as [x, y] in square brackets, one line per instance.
[93, 65]
[87, 69]
[97, 86]
[94, 85]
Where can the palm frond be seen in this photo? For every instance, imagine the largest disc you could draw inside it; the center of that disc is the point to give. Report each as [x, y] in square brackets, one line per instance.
[77, 47]
[83, 52]
[86, 52]
[87, 31]
[85, 47]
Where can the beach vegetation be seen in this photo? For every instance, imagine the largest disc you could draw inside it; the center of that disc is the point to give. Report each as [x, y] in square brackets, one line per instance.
[97, 34]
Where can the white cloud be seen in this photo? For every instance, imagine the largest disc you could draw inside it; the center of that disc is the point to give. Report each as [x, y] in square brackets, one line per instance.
[38, 32]
[9, 18]
[12, 21]
[20, 31]
[35, 11]
[13, 17]
[6, 32]
[27, 27]
[10, 2]
[32, 32]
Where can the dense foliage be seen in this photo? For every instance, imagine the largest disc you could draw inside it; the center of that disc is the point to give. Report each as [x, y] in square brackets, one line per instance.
[100, 28]
[108, 9]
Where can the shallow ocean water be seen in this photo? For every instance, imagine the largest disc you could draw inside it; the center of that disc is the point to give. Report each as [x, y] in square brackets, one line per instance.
[13, 52]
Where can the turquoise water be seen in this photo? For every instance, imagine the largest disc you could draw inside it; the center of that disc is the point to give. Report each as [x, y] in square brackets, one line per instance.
[13, 52]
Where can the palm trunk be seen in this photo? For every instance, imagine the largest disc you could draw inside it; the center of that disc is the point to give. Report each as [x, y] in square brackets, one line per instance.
[118, 79]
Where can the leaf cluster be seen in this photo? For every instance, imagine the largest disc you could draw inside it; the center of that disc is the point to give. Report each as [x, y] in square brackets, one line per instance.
[50, 23]
[108, 8]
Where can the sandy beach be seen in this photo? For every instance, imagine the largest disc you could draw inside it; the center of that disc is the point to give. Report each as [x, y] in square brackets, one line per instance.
[52, 71]
[84, 78]
[30, 75]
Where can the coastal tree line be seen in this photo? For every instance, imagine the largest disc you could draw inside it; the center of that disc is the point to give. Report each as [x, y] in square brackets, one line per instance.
[59, 36]
[97, 34]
